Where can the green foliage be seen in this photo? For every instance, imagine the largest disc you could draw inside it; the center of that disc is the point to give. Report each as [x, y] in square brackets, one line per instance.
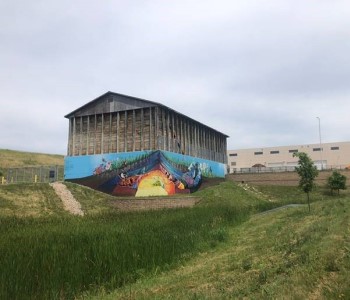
[337, 182]
[61, 257]
[307, 172]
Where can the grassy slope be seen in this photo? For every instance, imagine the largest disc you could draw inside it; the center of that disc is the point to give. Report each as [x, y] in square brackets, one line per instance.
[39, 200]
[289, 254]
[11, 158]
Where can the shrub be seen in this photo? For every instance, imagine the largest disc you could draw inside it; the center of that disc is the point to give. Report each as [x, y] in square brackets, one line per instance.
[337, 182]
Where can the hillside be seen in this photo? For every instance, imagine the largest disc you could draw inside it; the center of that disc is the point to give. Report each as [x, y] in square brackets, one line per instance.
[284, 254]
[12, 158]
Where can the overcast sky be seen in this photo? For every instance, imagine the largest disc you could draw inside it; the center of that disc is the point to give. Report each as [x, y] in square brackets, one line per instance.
[258, 71]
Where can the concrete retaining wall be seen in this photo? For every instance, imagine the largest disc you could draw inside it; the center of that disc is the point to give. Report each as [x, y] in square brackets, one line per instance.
[155, 203]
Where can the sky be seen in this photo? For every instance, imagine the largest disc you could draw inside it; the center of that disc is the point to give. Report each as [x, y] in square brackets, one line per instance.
[259, 71]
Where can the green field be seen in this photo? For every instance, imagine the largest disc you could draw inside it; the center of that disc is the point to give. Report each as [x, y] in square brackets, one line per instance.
[12, 158]
[236, 243]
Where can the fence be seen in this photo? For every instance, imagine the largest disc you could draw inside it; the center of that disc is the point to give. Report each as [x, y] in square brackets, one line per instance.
[33, 174]
[283, 169]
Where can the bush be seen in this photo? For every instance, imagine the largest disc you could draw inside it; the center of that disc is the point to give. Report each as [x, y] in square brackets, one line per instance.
[337, 182]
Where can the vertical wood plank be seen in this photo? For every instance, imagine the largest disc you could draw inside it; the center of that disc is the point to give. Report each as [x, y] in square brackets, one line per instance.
[118, 130]
[133, 130]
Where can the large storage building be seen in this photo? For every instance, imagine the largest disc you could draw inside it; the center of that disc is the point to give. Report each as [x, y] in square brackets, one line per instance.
[115, 127]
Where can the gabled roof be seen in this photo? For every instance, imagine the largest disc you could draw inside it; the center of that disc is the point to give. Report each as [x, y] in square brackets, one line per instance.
[114, 102]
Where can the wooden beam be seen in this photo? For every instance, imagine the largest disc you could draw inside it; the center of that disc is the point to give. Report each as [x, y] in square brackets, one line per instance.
[118, 130]
[133, 130]
[125, 132]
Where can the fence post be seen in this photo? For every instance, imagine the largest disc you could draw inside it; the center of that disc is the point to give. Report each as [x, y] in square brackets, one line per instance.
[2, 180]
[36, 178]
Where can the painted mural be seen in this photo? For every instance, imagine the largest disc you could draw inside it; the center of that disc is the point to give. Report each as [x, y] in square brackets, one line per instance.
[142, 173]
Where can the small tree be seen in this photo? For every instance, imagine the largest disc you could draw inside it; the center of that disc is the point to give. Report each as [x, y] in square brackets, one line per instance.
[337, 182]
[307, 172]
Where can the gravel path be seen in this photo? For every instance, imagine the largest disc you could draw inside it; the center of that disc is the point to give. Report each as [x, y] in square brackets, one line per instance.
[69, 202]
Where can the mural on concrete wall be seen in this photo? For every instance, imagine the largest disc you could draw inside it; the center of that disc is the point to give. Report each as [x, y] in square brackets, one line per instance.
[142, 173]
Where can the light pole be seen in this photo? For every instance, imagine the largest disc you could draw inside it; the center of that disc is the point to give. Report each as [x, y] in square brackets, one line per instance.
[319, 133]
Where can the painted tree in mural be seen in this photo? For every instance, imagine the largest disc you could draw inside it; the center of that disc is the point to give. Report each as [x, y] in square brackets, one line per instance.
[307, 172]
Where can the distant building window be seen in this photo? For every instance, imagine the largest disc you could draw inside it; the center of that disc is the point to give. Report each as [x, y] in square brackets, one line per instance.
[334, 148]
[274, 152]
[258, 153]
[316, 149]
[233, 154]
[233, 163]
[293, 151]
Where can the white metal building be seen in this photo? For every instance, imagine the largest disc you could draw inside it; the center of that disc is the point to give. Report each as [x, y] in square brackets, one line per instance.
[325, 156]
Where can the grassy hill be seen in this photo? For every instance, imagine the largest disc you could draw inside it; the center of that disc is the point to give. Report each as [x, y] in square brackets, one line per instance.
[285, 254]
[11, 158]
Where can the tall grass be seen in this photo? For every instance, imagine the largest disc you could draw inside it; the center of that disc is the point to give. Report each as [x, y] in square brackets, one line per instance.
[52, 258]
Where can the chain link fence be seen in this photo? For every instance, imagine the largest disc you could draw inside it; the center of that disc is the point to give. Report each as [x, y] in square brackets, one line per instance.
[33, 174]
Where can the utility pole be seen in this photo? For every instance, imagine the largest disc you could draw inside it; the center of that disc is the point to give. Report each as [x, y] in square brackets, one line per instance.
[319, 133]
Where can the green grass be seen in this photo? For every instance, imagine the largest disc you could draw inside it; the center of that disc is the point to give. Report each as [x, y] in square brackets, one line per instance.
[285, 254]
[63, 257]
[221, 248]
[29, 200]
[11, 158]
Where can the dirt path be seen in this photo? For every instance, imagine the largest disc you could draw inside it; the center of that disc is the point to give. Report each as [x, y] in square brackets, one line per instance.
[69, 202]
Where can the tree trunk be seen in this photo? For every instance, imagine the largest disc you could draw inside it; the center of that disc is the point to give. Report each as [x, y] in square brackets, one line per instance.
[308, 201]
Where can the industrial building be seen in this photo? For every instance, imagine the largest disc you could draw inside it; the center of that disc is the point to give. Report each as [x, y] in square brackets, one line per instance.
[126, 137]
[325, 156]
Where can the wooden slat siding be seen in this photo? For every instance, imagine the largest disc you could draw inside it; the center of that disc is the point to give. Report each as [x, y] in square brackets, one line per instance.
[138, 130]
[175, 136]
[173, 133]
[151, 131]
[129, 127]
[118, 130]
[183, 136]
[113, 133]
[125, 131]
[106, 132]
[92, 135]
[156, 114]
[98, 134]
[102, 133]
[145, 129]
[95, 128]
[110, 134]
[155, 124]
[84, 136]
[73, 138]
[133, 130]
[70, 137]
[187, 150]
[163, 129]
[80, 134]
[87, 135]
[142, 124]
[167, 128]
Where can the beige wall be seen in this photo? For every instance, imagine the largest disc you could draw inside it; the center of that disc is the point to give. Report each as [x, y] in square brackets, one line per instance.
[334, 155]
